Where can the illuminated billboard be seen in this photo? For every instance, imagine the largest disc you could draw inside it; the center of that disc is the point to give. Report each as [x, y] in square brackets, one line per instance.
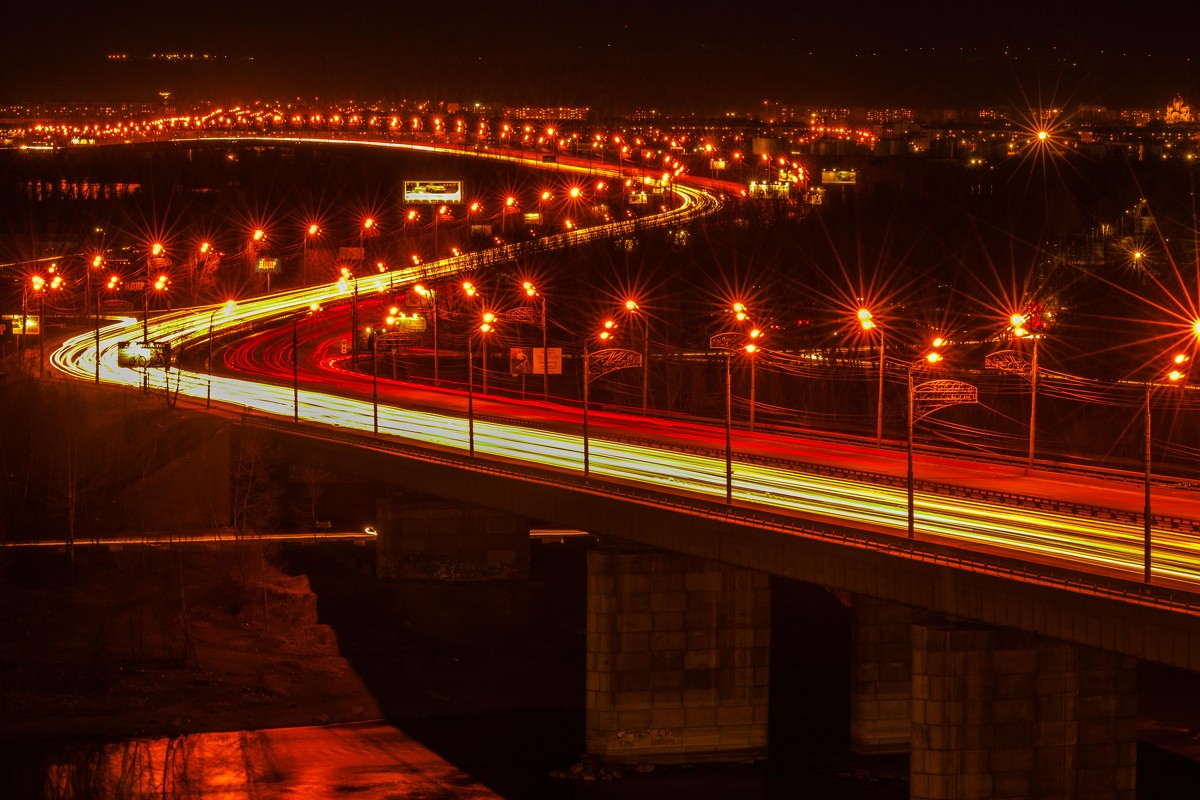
[19, 324]
[848, 176]
[269, 266]
[143, 354]
[534, 361]
[433, 191]
[768, 190]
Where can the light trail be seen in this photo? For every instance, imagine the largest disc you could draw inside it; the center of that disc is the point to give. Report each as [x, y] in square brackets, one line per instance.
[1091, 544]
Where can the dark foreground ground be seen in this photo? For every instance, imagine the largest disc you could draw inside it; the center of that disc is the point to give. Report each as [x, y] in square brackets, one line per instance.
[487, 676]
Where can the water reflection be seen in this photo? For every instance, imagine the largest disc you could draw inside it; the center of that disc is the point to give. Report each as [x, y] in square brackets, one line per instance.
[367, 760]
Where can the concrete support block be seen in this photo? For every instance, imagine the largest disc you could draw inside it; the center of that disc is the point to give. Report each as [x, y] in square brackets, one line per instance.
[678, 659]
[881, 676]
[1001, 714]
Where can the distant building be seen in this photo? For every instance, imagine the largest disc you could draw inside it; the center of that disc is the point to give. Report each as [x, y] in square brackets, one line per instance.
[1178, 111]
[548, 113]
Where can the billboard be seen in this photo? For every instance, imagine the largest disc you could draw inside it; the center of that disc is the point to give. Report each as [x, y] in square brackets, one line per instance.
[351, 254]
[535, 361]
[847, 176]
[143, 354]
[268, 266]
[19, 324]
[533, 218]
[433, 191]
[768, 190]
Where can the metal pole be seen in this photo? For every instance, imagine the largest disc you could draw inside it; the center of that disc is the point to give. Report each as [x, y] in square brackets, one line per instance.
[208, 361]
[728, 430]
[484, 364]
[545, 355]
[97, 335]
[753, 365]
[586, 380]
[1033, 387]
[1146, 518]
[354, 327]
[470, 395]
[912, 528]
[879, 399]
[645, 357]
[375, 379]
[435, 338]
[295, 372]
[42, 336]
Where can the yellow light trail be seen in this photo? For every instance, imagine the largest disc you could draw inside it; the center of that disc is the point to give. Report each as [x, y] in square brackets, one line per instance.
[1090, 544]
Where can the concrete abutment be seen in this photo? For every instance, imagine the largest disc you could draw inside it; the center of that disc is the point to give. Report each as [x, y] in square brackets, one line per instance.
[678, 659]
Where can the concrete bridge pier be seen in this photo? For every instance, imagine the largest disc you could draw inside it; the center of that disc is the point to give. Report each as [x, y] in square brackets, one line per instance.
[678, 655]
[881, 676]
[1004, 714]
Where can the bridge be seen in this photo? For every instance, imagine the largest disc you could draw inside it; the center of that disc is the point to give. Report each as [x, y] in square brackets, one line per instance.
[997, 643]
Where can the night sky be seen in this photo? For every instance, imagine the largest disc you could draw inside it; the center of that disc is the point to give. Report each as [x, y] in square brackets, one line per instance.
[696, 56]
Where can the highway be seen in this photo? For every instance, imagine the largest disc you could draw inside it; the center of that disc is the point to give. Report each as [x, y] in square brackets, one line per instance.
[850, 484]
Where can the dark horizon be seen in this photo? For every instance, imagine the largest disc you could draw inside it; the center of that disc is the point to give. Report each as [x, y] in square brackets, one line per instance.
[677, 59]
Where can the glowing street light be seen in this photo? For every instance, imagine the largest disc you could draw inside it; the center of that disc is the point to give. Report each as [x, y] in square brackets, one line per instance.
[1177, 376]
[866, 321]
[430, 296]
[531, 291]
[634, 310]
[930, 358]
[484, 329]
[311, 232]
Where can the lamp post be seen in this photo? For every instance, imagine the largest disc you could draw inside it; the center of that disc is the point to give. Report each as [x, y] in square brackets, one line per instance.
[256, 243]
[867, 321]
[604, 335]
[730, 341]
[633, 309]
[931, 358]
[431, 296]
[375, 380]
[1174, 376]
[1027, 326]
[484, 329]
[488, 319]
[531, 291]
[312, 231]
[156, 250]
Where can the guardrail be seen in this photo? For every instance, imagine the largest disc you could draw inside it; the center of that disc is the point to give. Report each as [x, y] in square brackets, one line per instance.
[1127, 591]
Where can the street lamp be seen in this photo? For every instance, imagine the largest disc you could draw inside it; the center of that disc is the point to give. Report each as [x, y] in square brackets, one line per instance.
[442, 211]
[1175, 376]
[1027, 326]
[484, 329]
[730, 341]
[156, 251]
[633, 309]
[430, 296]
[932, 357]
[531, 291]
[313, 231]
[867, 321]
